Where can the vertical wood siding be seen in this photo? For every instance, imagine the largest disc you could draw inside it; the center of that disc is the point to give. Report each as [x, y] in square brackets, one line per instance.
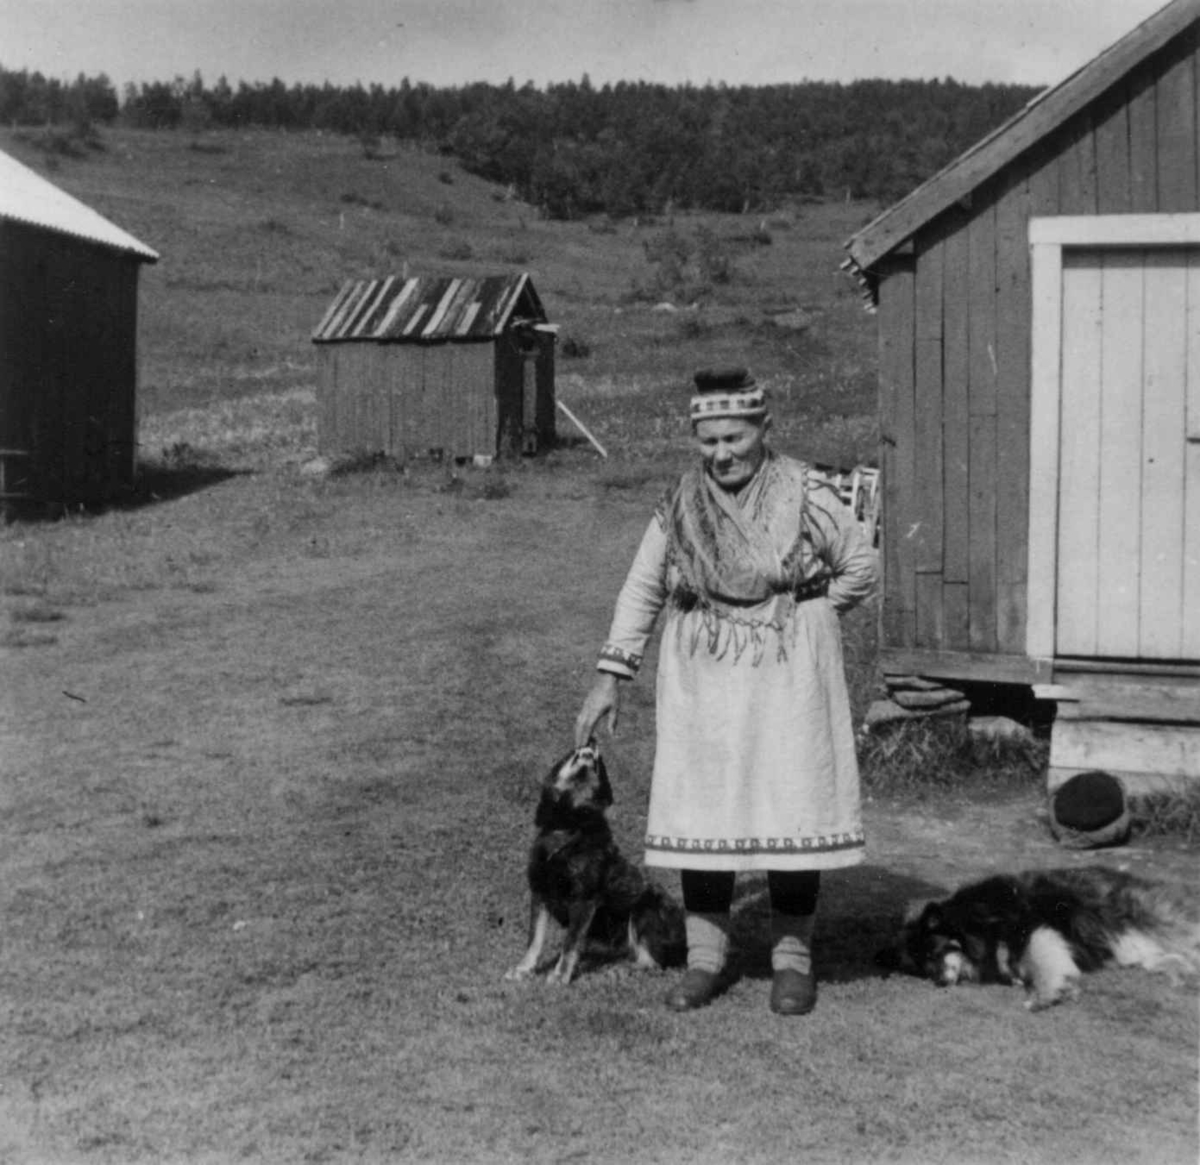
[954, 360]
[407, 400]
[68, 364]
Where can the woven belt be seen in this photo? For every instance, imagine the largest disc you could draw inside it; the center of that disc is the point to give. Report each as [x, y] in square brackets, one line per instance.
[814, 588]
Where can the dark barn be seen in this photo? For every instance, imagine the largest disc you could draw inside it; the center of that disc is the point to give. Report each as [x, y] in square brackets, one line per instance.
[455, 368]
[68, 346]
[1039, 325]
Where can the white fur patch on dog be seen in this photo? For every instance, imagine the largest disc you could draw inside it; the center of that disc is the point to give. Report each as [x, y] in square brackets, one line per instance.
[1049, 969]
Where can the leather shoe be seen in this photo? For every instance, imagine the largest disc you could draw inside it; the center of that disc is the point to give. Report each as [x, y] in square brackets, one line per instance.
[695, 989]
[793, 993]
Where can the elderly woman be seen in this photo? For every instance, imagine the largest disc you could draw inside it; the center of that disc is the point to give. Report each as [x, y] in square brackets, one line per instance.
[754, 557]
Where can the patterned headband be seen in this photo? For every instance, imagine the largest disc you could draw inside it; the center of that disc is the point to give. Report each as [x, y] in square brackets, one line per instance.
[726, 392]
[716, 405]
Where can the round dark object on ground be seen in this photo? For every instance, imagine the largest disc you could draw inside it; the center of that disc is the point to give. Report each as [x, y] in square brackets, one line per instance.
[1090, 809]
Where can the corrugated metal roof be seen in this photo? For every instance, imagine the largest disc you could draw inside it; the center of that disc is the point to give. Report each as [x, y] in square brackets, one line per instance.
[25, 196]
[397, 310]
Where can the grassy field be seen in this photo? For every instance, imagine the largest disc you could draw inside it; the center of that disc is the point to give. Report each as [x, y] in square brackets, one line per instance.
[270, 742]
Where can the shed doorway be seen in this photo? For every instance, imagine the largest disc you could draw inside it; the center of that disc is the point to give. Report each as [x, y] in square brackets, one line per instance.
[1115, 443]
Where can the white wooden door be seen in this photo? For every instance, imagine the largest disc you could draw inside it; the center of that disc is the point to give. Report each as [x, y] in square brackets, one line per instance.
[1127, 578]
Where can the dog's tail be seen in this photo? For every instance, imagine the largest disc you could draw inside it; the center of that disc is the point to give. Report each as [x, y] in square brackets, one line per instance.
[1163, 935]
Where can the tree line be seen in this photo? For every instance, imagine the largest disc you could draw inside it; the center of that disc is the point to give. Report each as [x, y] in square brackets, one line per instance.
[574, 148]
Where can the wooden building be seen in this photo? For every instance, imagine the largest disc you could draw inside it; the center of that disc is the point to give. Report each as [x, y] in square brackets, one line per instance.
[456, 368]
[1039, 321]
[68, 346]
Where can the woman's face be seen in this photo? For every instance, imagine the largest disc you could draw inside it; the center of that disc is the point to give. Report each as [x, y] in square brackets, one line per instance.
[732, 448]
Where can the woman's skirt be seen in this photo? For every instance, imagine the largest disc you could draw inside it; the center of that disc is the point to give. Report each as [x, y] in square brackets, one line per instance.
[755, 767]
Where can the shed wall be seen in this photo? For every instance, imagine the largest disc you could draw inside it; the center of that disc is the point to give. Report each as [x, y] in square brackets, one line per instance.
[406, 400]
[955, 358]
[68, 364]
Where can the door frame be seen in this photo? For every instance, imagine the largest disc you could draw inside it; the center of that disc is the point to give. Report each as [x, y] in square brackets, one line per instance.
[1048, 237]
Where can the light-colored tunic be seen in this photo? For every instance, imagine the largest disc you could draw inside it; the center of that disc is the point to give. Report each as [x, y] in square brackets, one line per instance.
[755, 765]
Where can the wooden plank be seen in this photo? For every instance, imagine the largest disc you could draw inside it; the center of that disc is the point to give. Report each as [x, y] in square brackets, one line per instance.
[1143, 139]
[1043, 187]
[1069, 670]
[1077, 170]
[403, 416]
[1114, 194]
[956, 613]
[1044, 441]
[1077, 550]
[955, 407]
[1164, 411]
[1176, 134]
[981, 309]
[981, 587]
[1190, 637]
[1118, 230]
[1021, 133]
[931, 629]
[1012, 413]
[1161, 749]
[927, 416]
[1171, 701]
[981, 667]
[1118, 579]
[896, 380]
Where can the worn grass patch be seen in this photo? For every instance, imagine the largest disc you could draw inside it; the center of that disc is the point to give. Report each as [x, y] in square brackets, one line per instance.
[928, 757]
[1173, 814]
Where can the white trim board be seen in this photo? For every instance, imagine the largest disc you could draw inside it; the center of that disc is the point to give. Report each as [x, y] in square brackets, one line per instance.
[1116, 230]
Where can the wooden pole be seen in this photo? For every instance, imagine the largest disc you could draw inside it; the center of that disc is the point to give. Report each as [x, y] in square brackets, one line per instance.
[581, 427]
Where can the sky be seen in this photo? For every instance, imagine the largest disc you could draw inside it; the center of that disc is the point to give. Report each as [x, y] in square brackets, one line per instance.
[454, 42]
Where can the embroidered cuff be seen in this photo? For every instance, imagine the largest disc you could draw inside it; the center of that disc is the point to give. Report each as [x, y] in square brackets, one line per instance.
[620, 663]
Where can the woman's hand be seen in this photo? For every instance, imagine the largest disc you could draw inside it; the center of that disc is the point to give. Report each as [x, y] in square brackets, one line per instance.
[603, 702]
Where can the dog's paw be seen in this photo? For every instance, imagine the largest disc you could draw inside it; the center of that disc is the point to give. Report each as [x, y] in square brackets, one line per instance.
[1068, 991]
[561, 973]
[518, 974]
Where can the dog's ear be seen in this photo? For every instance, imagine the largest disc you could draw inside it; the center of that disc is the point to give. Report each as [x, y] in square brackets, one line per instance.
[604, 793]
[931, 917]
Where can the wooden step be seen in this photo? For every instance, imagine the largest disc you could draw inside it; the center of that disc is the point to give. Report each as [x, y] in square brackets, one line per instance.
[1136, 698]
[1147, 756]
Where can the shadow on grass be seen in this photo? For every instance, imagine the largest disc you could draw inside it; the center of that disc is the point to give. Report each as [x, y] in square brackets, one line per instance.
[152, 484]
[859, 915]
[164, 481]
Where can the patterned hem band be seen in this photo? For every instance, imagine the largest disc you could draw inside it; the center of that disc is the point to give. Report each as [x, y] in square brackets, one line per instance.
[713, 405]
[756, 845]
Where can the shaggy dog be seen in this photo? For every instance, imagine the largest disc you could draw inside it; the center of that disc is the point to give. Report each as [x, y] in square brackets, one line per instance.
[1043, 928]
[578, 877]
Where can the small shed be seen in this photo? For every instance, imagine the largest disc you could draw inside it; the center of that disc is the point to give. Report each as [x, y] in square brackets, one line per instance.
[1039, 327]
[456, 368]
[68, 346]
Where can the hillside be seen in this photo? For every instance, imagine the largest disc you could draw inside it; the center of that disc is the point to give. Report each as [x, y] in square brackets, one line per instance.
[257, 230]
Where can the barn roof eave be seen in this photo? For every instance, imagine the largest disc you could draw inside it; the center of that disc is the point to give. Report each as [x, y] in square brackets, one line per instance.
[28, 199]
[1041, 116]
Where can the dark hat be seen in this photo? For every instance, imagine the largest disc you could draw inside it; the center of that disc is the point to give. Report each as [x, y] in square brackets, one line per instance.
[1090, 810]
[728, 378]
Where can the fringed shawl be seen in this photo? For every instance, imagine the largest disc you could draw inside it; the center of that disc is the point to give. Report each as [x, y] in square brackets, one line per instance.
[740, 558]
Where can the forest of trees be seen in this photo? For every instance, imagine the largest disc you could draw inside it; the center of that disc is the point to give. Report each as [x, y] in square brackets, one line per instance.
[573, 148]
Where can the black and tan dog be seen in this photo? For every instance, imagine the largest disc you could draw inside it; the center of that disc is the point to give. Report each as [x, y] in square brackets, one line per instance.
[578, 877]
[1042, 928]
